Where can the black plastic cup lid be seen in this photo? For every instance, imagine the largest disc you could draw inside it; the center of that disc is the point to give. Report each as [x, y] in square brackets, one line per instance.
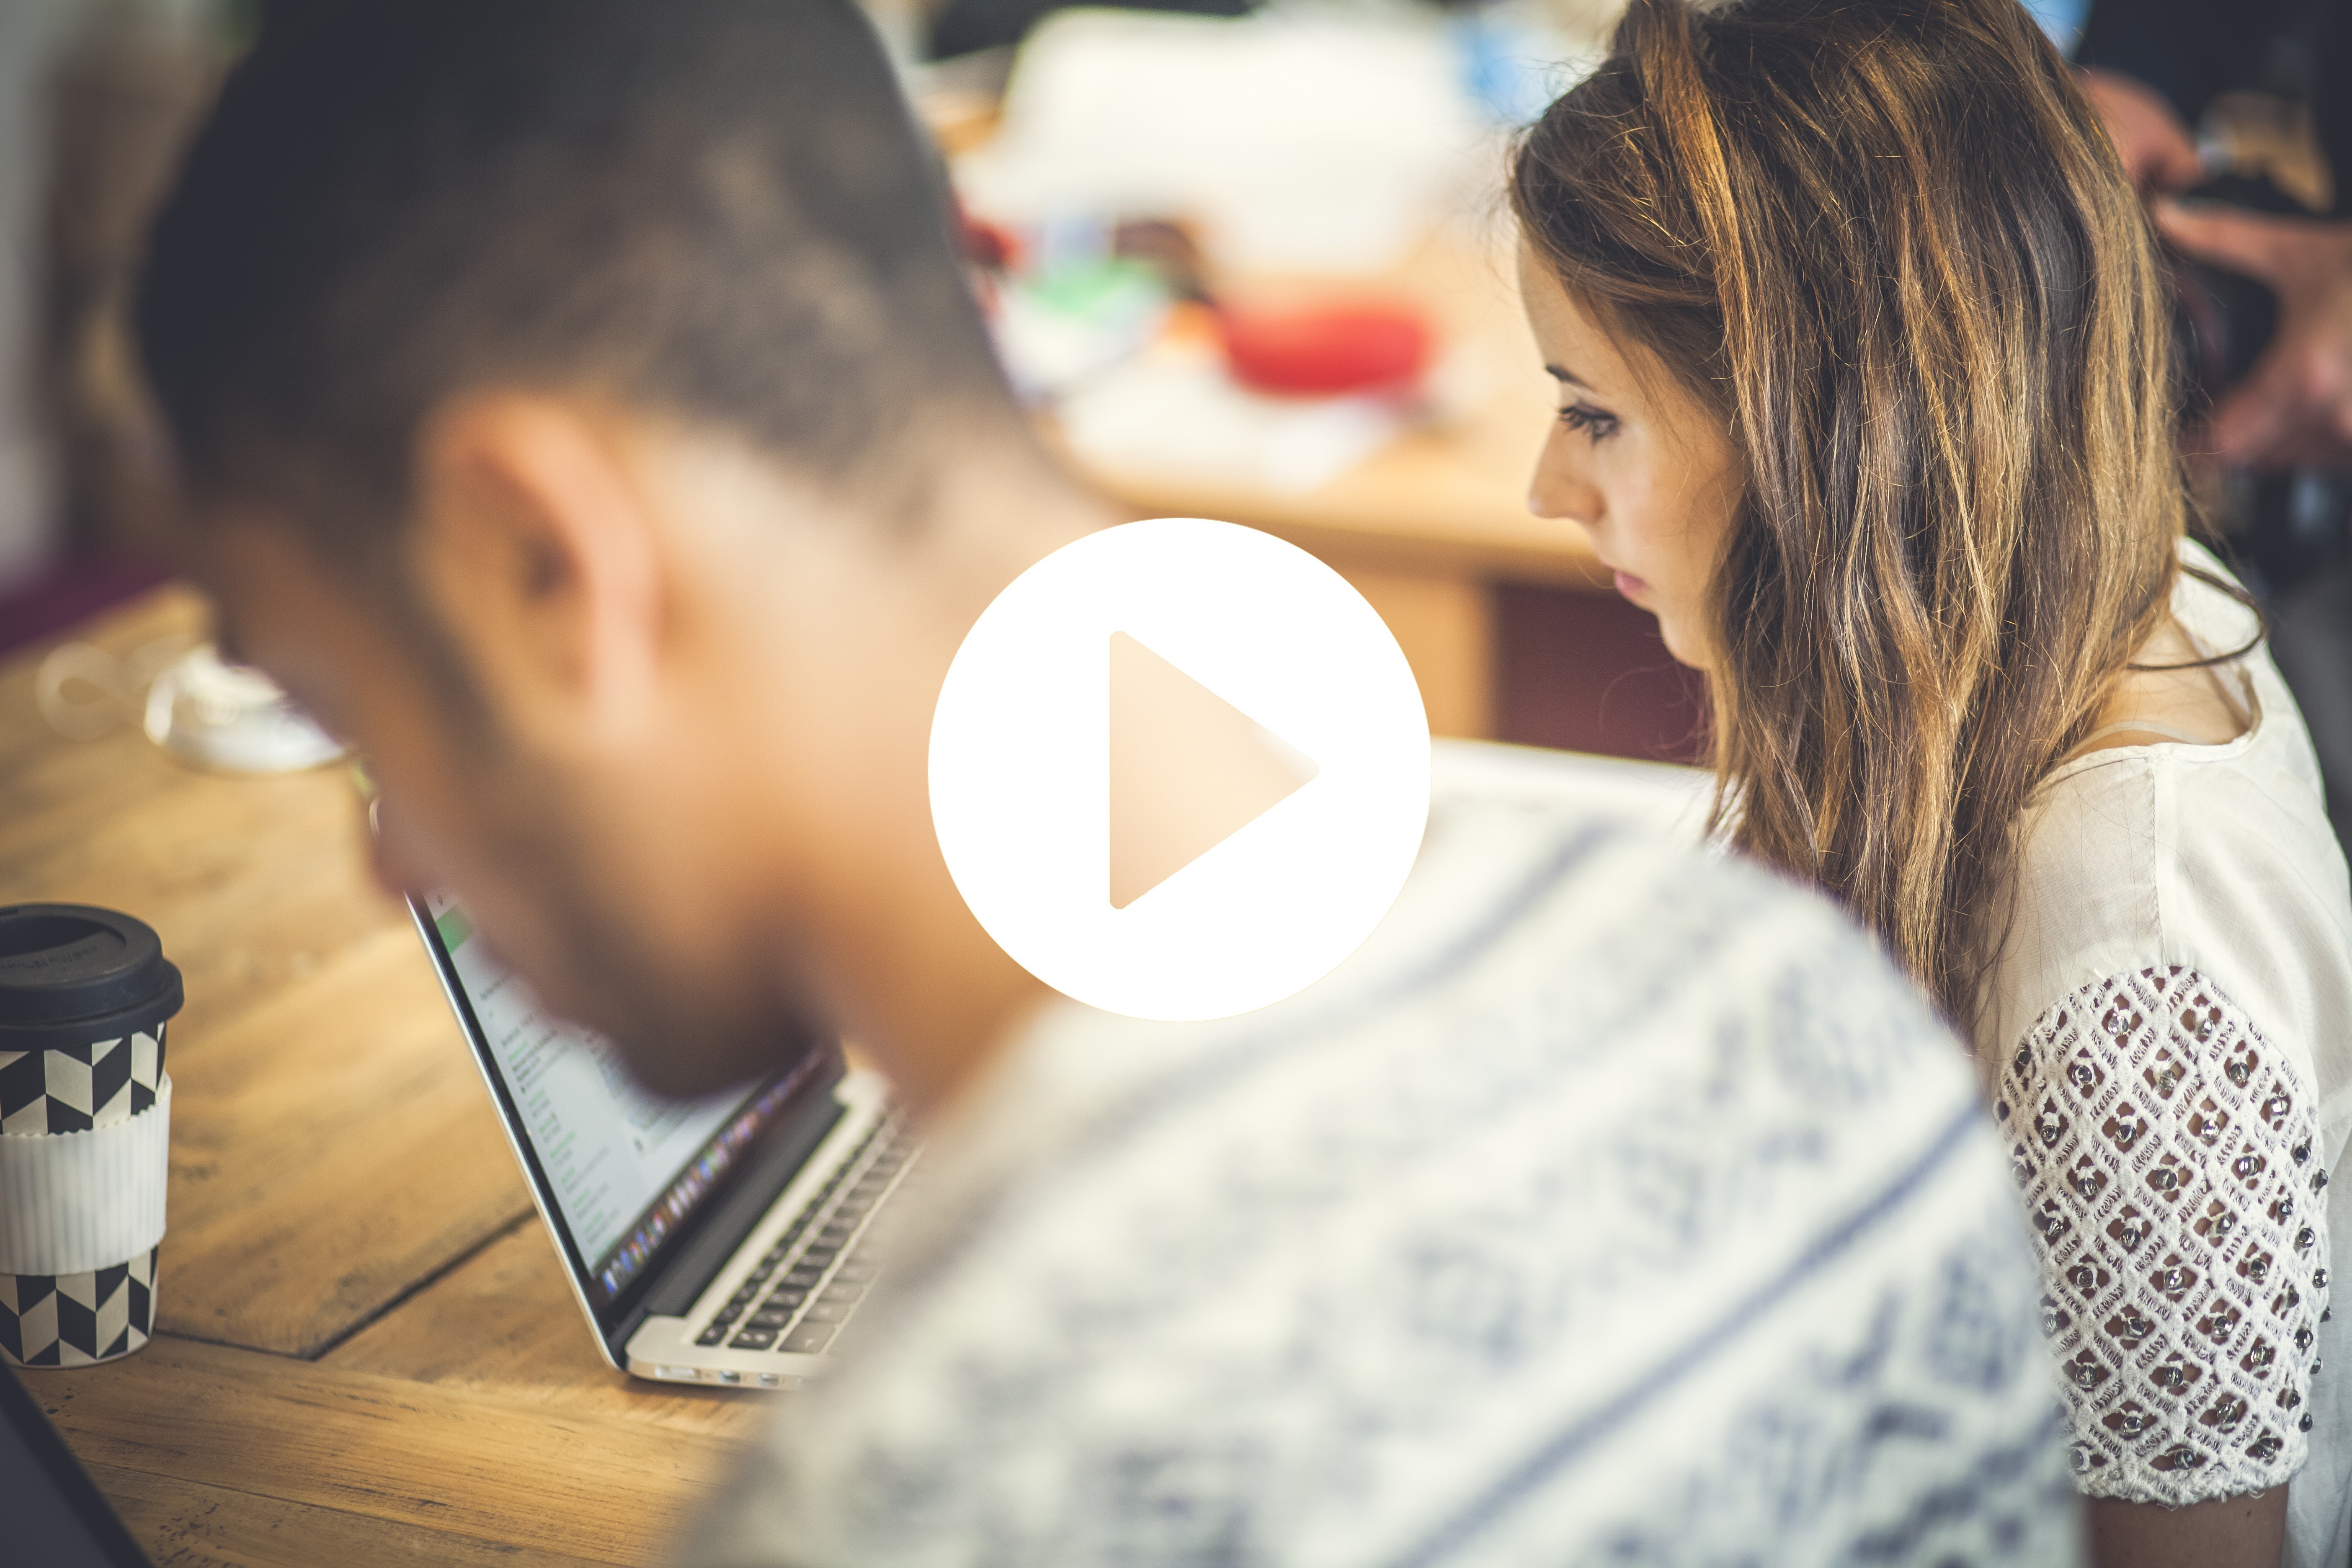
[75, 966]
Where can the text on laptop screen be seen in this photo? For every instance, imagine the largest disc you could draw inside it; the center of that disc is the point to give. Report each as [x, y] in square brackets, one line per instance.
[624, 1167]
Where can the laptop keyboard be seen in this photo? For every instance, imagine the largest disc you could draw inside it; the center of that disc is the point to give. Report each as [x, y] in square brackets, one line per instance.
[807, 1285]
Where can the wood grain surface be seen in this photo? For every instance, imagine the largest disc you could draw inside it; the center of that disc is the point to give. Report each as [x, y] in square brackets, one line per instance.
[1429, 525]
[367, 1353]
[353, 1446]
[504, 1322]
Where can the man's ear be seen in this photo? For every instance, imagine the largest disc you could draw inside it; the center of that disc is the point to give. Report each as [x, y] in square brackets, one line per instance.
[539, 551]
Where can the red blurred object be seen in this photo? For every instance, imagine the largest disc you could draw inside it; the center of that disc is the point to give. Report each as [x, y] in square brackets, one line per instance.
[1324, 349]
[990, 246]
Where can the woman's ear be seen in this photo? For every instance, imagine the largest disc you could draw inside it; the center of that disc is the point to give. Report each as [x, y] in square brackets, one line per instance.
[538, 551]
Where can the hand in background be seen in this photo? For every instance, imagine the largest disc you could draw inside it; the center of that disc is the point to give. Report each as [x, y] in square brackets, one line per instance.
[2158, 152]
[2294, 407]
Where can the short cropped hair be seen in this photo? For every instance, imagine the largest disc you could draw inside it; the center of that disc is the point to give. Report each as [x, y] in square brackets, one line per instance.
[717, 210]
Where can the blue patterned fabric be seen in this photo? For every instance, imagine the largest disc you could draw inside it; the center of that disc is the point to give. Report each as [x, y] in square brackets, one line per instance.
[1612, 1205]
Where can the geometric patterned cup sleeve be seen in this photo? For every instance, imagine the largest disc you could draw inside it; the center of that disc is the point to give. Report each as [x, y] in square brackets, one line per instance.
[78, 1319]
[74, 1088]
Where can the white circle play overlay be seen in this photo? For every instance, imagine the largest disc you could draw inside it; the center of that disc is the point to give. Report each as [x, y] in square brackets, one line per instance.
[1020, 775]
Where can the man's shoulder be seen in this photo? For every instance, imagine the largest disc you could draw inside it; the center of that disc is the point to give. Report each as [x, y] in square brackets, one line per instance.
[1541, 946]
[1601, 1158]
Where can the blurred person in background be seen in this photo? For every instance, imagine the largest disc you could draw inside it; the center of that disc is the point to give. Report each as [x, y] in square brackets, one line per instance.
[30, 33]
[2165, 76]
[1866, 359]
[583, 411]
[95, 97]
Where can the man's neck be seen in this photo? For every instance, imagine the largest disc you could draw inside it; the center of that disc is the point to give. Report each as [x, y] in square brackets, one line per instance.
[876, 927]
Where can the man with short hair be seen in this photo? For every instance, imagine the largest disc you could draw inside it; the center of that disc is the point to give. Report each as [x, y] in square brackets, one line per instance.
[583, 411]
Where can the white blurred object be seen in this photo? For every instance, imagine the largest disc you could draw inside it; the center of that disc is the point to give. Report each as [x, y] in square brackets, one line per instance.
[1322, 141]
[1456, 389]
[1664, 799]
[84, 691]
[1055, 331]
[219, 716]
[1180, 413]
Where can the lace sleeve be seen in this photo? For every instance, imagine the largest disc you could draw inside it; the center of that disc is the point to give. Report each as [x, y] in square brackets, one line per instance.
[2165, 1151]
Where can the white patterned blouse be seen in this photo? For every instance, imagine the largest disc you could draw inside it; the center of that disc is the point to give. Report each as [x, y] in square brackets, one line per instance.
[2168, 1042]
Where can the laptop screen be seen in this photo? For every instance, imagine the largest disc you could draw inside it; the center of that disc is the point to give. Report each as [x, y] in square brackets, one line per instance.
[625, 1169]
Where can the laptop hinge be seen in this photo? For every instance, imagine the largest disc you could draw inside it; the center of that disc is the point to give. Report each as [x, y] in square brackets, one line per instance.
[778, 1160]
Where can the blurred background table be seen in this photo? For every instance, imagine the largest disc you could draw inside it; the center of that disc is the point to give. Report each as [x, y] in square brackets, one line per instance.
[365, 1350]
[1432, 527]
[1138, 189]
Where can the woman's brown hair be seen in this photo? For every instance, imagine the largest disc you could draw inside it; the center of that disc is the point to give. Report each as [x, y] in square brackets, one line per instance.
[1887, 241]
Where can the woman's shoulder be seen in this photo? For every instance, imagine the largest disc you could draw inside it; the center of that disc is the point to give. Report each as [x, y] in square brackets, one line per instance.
[2168, 1046]
[2220, 913]
[2145, 863]
[2168, 852]
[2218, 860]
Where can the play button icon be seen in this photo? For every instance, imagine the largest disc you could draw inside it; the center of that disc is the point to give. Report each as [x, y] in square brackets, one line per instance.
[1170, 804]
[1179, 769]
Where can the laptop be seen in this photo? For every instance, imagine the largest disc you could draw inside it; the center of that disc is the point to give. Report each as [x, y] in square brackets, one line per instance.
[721, 1240]
[51, 1511]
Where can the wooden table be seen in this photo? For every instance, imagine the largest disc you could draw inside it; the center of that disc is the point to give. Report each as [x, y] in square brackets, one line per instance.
[366, 1351]
[1427, 527]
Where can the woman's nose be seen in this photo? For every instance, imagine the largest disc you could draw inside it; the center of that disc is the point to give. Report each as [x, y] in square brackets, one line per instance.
[1557, 492]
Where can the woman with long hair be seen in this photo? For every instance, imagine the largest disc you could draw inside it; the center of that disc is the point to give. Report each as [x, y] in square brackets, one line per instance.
[1866, 393]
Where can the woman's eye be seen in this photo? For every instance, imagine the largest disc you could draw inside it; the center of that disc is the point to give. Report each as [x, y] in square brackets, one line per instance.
[1593, 422]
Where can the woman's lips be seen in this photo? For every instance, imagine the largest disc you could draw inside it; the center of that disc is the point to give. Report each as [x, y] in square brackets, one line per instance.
[1629, 586]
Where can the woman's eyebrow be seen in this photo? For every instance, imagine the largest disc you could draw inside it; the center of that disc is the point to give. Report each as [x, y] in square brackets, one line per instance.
[1568, 377]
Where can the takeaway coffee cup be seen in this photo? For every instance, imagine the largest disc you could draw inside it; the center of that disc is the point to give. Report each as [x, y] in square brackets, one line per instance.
[85, 1131]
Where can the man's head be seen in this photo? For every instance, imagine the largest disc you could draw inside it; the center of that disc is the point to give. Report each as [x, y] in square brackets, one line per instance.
[582, 410]
[717, 208]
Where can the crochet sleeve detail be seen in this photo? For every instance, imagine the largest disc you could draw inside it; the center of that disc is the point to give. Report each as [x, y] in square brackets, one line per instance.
[2165, 1151]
